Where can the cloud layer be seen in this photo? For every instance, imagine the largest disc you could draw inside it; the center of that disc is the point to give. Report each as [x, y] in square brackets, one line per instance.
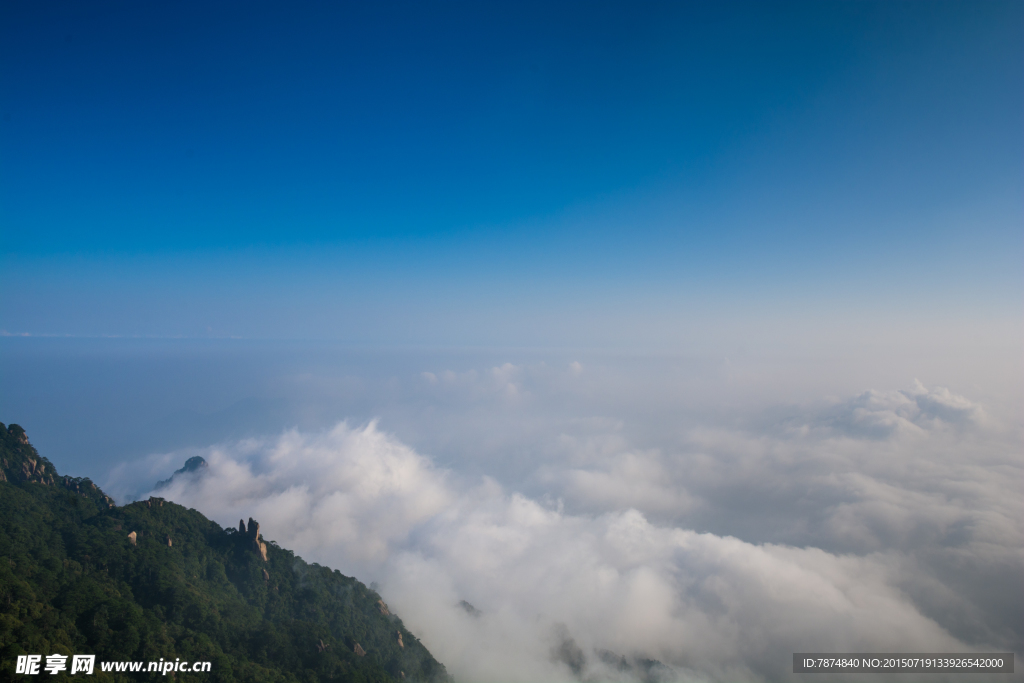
[888, 521]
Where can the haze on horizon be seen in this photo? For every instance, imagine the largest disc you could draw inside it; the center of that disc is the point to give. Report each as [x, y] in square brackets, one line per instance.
[687, 332]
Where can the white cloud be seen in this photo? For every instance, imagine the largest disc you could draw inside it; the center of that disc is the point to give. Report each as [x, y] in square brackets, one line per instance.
[876, 414]
[887, 522]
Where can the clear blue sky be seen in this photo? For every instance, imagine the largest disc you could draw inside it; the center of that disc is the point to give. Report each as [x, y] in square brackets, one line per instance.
[487, 173]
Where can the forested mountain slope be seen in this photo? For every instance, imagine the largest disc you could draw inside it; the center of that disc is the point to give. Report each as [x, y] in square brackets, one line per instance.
[73, 580]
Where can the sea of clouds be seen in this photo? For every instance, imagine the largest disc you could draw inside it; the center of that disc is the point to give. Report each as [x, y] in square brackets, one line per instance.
[568, 527]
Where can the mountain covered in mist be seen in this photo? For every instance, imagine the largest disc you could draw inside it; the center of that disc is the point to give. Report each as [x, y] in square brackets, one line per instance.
[152, 580]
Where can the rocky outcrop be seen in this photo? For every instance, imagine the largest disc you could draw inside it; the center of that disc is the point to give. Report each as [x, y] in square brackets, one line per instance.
[400, 643]
[359, 650]
[383, 608]
[254, 533]
[20, 461]
[35, 470]
[132, 538]
[169, 543]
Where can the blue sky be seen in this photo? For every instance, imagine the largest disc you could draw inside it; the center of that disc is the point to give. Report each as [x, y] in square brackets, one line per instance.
[187, 170]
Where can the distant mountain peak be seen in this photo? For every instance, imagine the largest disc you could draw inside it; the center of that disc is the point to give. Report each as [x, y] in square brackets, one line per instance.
[193, 466]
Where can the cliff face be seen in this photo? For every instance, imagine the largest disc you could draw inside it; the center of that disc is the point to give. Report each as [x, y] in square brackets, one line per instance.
[20, 463]
[83, 576]
[253, 532]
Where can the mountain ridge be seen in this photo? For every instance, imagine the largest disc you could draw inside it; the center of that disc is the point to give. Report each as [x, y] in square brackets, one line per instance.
[152, 579]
